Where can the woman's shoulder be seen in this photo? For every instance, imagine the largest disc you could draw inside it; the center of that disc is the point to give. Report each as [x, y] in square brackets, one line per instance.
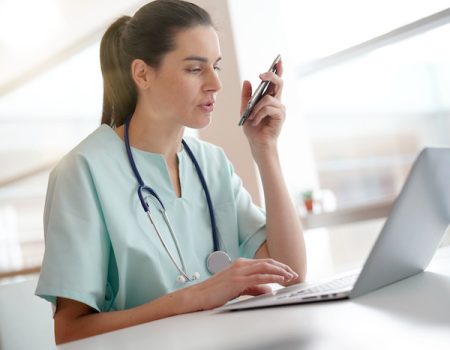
[99, 141]
[98, 144]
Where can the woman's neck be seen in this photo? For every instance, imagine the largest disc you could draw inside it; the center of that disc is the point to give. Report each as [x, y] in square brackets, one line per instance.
[153, 135]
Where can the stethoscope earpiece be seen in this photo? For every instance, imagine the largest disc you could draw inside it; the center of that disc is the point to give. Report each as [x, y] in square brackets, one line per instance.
[183, 279]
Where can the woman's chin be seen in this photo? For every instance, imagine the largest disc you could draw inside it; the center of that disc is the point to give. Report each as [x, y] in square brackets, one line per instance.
[200, 123]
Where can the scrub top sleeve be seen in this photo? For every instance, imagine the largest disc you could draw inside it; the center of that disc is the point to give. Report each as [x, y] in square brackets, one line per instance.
[251, 219]
[77, 247]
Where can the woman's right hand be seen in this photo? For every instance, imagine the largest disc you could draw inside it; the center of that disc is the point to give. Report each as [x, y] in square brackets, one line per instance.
[75, 320]
[243, 276]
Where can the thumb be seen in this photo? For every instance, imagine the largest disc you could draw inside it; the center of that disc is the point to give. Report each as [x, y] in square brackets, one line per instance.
[257, 290]
[246, 94]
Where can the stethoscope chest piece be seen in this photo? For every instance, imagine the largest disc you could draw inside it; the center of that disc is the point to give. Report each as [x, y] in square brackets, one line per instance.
[217, 261]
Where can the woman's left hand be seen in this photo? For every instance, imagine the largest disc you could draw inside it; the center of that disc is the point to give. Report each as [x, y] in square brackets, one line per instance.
[263, 126]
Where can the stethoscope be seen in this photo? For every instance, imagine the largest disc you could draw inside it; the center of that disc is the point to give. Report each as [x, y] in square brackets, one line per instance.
[218, 259]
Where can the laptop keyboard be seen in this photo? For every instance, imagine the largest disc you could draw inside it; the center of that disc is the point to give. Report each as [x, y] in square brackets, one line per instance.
[333, 285]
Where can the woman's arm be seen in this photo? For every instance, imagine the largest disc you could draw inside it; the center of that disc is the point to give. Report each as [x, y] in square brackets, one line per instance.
[285, 240]
[75, 320]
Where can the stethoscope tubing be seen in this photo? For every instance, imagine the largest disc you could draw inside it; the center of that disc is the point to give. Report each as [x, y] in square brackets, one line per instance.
[143, 187]
[180, 270]
[217, 253]
[212, 217]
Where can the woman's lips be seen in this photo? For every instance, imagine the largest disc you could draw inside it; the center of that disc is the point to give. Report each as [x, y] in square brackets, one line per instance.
[207, 107]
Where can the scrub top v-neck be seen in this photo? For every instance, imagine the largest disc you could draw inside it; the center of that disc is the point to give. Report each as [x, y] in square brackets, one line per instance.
[100, 248]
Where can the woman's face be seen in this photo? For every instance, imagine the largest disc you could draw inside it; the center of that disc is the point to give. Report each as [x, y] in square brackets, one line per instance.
[184, 87]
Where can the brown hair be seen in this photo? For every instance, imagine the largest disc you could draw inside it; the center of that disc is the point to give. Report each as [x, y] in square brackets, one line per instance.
[148, 36]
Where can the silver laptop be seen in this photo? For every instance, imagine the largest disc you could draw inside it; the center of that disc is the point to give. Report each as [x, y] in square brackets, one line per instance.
[411, 234]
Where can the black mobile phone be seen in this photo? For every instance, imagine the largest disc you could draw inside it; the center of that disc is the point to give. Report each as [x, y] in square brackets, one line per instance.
[259, 93]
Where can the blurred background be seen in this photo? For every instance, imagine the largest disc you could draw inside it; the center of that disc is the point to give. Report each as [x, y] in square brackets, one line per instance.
[366, 88]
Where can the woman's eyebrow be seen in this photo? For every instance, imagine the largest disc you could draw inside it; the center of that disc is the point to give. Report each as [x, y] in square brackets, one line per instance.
[200, 59]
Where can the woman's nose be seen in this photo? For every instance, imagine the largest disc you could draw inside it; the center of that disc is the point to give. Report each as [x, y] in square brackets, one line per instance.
[213, 83]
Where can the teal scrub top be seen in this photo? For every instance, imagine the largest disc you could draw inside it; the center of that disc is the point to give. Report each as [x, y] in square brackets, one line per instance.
[100, 248]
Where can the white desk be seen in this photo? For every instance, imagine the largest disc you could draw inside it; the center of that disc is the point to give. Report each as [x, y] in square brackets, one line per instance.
[413, 313]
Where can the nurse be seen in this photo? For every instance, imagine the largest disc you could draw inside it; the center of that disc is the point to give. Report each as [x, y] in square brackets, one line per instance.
[135, 211]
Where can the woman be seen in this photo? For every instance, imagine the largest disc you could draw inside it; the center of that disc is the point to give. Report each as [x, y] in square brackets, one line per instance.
[108, 264]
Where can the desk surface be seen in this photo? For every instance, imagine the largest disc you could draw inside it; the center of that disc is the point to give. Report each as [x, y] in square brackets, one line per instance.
[413, 313]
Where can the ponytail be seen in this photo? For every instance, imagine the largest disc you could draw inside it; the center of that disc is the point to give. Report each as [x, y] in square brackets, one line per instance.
[119, 91]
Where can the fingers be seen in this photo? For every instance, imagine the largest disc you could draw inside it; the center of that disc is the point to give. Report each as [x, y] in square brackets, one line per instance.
[267, 107]
[275, 87]
[262, 271]
[274, 90]
[245, 94]
[270, 104]
[268, 267]
[243, 276]
[279, 68]
[284, 266]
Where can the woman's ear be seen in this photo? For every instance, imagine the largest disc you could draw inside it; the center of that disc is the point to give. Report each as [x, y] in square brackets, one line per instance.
[140, 72]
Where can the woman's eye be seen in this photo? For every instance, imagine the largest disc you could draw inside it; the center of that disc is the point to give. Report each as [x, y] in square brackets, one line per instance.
[194, 70]
[199, 70]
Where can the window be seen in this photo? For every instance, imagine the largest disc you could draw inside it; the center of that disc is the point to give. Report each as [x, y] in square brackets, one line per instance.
[41, 121]
[369, 117]
[365, 89]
